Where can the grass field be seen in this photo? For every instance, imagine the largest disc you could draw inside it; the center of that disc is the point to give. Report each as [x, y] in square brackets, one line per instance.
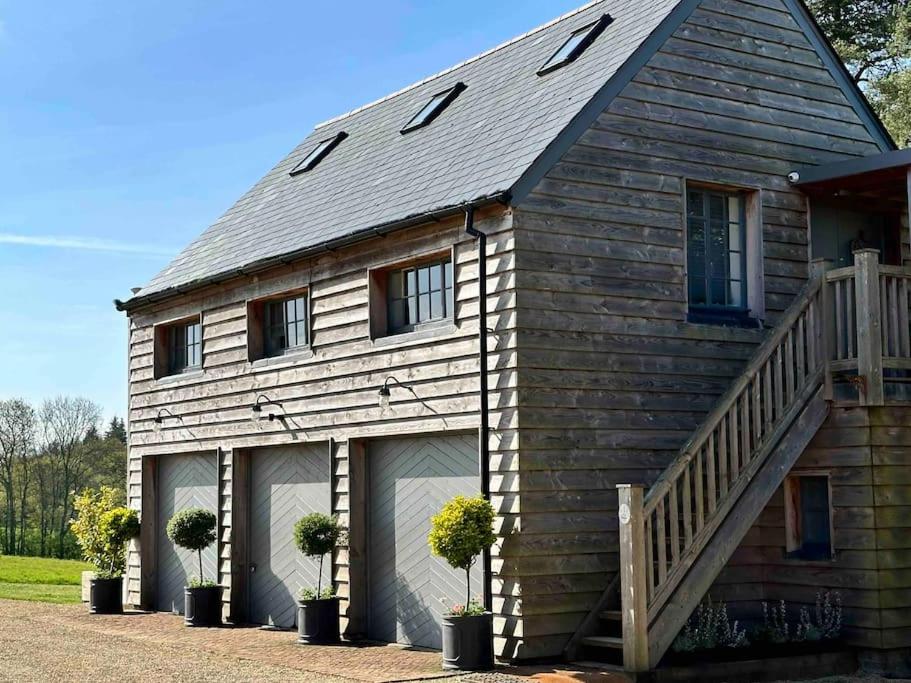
[40, 579]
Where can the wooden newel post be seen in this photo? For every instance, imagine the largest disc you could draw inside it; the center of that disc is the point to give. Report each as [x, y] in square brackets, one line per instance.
[824, 322]
[633, 574]
[869, 326]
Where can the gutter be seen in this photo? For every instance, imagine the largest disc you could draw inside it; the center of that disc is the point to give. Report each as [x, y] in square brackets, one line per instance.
[325, 247]
[484, 430]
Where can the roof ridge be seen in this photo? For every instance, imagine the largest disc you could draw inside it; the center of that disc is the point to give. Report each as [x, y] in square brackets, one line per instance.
[470, 60]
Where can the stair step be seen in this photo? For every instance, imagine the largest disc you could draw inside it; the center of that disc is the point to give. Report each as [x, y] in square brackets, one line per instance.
[612, 615]
[604, 641]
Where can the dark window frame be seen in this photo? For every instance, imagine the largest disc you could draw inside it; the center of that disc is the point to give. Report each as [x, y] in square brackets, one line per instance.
[278, 329]
[318, 153]
[433, 108]
[709, 311]
[413, 306]
[590, 33]
[178, 347]
[262, 322]
[802, 510]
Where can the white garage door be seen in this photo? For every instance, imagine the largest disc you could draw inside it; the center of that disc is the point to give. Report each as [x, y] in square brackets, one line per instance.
[410, 481]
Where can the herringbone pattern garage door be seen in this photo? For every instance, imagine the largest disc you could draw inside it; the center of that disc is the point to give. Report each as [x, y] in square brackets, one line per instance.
[184, 481]
[287, 483]
[410, 480]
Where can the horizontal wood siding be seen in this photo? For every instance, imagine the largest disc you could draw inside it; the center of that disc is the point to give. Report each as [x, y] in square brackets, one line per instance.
[612, 379]
[867, 454]
[331, 391]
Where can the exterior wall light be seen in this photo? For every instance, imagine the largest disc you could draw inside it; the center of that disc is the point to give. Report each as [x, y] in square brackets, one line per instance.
[384, 393]
[263, 400]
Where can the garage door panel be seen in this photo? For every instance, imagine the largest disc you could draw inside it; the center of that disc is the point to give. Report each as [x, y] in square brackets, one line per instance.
[184, 481]
[287, 483]
[410, 480]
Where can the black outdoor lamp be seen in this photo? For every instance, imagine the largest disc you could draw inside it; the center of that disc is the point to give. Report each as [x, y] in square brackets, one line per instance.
[384, 393]
[263, 400]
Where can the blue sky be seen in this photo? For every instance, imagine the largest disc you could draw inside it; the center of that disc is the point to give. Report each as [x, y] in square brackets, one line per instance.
[127, 128]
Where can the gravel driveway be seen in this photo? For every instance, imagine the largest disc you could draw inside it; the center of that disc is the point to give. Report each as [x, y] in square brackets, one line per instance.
[43, 642]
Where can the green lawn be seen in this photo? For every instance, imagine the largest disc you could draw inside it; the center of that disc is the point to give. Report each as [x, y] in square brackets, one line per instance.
[41, 579]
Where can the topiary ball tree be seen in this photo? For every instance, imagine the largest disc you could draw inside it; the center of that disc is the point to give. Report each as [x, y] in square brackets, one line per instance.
[193, 529]
[317, 534]
[461, 531]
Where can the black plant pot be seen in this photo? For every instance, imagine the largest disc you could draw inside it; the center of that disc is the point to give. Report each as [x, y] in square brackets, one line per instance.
[468, 643]
[202, 606]
[317, 622]
[106, 596]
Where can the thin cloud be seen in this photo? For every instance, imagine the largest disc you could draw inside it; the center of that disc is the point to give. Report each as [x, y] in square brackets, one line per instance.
[84, 244]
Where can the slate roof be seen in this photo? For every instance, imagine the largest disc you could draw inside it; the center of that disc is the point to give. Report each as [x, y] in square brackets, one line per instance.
[477, 148]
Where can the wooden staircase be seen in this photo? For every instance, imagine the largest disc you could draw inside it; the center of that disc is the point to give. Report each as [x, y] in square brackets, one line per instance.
[677, 535]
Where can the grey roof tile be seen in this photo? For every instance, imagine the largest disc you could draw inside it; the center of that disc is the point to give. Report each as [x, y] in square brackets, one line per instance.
[478, 147]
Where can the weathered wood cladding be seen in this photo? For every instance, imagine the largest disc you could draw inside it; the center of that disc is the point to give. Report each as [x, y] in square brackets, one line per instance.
[330, 391]
[867, 453]
[612, 379]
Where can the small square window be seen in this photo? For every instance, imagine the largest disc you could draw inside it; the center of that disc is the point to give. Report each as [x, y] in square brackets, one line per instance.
[575, 45]
[278, 326]
[808, 517]
[178, 347]
[318, 153]
[433, 108]
[407, 298]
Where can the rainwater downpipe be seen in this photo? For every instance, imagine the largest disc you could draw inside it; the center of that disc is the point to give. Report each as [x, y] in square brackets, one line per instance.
[484, 430]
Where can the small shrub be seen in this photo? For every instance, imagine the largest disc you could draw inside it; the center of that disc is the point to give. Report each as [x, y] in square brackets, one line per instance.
[326, 593]
[102, 528]
[827, 625]
[473, 609]
[710, 628]
[193, 529]
[461, 531]
[775, 628]
[317, 535]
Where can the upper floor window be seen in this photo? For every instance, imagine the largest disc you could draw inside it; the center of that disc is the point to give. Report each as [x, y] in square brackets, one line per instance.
[286, 325]
[419, 294]
[278, 325]
[808, 519]
[716, 255]
[412, 295]
[178, 347]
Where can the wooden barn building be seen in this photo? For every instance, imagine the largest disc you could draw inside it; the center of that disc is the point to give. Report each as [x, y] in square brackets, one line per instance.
[641, 275]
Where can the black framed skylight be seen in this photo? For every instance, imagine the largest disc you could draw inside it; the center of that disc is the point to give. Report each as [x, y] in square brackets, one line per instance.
[318, 153]
[434, 108]
[576, 44]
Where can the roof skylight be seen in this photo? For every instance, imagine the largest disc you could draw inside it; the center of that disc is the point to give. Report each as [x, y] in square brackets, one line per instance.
[576, 44]
[434, 108]
[318, 153]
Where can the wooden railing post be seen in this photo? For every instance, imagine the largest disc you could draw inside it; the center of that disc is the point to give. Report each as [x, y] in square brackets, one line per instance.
[824, 322]
[634, 601]
[869, 326]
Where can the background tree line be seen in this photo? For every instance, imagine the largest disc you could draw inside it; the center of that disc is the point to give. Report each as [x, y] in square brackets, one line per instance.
[873, 38]
[48, 455]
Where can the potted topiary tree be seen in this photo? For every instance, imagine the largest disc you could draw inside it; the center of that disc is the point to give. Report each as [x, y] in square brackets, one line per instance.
[194, 529]
[102, 528]
[459, 533]
[317, 535]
